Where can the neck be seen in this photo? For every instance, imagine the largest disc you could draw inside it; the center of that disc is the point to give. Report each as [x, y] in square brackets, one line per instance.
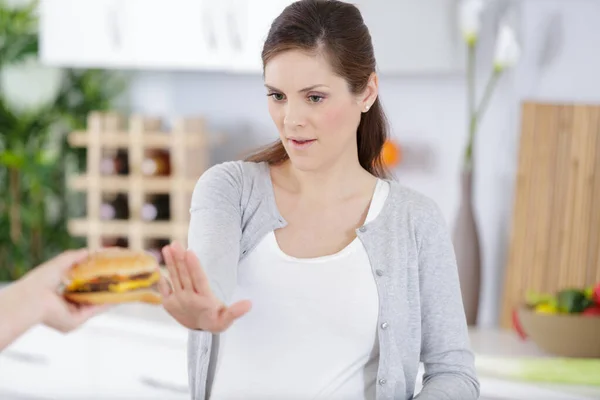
[340, 180]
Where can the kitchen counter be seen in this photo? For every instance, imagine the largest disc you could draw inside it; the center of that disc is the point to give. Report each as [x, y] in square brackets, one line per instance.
[138, 352]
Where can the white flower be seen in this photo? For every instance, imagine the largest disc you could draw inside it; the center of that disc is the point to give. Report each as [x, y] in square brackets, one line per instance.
[508, 51]
[29, 86]
[470, 19]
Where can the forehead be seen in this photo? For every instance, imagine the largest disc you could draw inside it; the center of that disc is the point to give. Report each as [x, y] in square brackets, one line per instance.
[295, 69]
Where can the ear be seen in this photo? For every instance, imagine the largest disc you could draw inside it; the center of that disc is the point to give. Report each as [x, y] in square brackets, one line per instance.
[370, 94]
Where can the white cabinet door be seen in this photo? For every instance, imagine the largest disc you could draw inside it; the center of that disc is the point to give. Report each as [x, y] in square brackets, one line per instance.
[175, 34]
[253, 19]
[414, 36]
[90, 33]
[138, 34]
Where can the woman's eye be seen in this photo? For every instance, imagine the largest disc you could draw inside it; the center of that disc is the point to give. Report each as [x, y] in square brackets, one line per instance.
[277, 96]
[315, 98]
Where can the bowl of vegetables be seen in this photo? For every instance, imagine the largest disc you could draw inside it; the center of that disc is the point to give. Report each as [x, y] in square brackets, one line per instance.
[566, 323]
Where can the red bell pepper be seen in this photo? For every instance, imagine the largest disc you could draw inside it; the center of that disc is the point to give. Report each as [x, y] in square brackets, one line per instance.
[592, 311]
[596, 294]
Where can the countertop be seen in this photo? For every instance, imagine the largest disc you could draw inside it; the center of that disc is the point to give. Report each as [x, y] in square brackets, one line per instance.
[138, 352]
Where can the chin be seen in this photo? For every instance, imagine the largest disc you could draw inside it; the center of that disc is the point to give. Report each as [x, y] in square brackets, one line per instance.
[306, 163]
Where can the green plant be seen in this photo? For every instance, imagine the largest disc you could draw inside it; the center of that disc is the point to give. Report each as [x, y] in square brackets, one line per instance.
[35, 157]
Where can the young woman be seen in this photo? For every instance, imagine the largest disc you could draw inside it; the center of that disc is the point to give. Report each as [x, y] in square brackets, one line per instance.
[310, 274]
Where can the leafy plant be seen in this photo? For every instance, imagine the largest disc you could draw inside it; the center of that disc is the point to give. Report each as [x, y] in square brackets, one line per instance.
[35, 157]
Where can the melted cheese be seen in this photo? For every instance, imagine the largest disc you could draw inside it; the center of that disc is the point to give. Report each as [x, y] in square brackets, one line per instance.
[121, 286]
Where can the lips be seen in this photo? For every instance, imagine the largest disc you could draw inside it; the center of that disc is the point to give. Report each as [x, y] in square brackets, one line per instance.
[301, 144]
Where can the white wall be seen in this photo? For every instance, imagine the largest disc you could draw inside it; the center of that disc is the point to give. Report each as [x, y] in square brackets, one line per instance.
[427, 114]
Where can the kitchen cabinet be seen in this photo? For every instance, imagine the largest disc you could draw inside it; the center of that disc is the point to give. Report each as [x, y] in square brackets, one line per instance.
[131, 34]
[409, 36]
[224, 35]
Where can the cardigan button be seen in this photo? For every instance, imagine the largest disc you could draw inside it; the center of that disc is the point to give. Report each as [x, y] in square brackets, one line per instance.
[384, 325]
[362, 229]
[379, 272]
[382, 381]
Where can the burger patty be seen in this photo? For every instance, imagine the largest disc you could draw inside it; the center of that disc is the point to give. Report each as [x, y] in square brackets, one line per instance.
[102, 284]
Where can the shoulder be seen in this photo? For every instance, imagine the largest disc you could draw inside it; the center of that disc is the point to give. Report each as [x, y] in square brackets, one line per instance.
[413, 201]
[423, 213]
[229, 181]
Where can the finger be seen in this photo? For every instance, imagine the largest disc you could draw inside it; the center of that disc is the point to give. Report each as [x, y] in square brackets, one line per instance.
[86, 312]
[180, 262]
[170, 261]
[196, 272]
[163, 287]
[65, 260]
[234, 311]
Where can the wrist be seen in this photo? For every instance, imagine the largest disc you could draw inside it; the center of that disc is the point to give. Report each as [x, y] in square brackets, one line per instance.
[30, 301]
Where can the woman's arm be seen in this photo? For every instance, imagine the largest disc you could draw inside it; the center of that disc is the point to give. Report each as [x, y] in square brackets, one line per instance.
[215, 227]
[19, 311]
[204, 276]
[445, 348]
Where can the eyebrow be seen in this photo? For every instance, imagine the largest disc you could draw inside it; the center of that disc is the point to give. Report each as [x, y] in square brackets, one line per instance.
[306, 89]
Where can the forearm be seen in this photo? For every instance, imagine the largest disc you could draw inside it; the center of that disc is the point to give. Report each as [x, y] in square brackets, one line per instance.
[449, 386]
[18, 312]
[445, 344]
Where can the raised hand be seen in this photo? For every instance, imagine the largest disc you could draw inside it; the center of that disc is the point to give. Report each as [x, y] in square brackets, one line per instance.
[189, 299]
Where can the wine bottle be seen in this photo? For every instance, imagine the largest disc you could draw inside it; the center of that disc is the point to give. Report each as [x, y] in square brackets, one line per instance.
[115, 242]
[157, 208]
[118, 208]
[157, 255]
[157, 164]
[117, 165]
[155, 248]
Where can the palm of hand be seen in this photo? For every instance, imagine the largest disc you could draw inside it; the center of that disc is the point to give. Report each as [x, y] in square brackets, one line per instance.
[189, 299]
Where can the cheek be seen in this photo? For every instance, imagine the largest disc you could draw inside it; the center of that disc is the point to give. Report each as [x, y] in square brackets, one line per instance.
[338, 120]
[276, 114]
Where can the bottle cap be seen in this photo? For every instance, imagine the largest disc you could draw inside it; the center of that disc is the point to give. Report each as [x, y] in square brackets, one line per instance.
[149, 167]
[107, 211]
[149, 212]
[107, 166]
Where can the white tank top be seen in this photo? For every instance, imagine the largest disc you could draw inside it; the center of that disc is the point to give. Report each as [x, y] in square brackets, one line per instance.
[312, 330]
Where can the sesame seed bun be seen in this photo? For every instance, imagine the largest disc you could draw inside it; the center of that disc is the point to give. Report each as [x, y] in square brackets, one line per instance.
[113, 261]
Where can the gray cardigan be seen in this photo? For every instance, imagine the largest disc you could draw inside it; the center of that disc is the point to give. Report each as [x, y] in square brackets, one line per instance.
[421, 315]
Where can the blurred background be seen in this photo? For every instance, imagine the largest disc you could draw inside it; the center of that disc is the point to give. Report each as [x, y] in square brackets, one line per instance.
[110, 110]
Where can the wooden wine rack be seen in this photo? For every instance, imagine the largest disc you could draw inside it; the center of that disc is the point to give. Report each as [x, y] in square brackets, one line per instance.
[188, 145]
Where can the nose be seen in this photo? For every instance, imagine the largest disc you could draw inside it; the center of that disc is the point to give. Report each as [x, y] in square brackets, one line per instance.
[294, 116]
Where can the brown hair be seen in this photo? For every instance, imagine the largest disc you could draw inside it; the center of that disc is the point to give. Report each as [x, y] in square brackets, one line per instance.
[338, 30]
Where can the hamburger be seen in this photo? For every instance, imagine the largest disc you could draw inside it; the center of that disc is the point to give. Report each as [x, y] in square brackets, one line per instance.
[114, 275]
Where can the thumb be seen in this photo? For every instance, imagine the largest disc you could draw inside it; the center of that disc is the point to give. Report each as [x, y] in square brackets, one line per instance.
[66, 260]
[235, 311]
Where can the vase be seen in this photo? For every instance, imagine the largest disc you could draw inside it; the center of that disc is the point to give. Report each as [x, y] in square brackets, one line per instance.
[465, 239]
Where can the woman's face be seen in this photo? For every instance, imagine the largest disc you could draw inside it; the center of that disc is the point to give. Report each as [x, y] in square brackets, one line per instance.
[316, 114]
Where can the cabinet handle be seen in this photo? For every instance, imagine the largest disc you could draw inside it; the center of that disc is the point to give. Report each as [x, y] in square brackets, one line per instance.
[234, 29]
[209, 28]
[114, 28]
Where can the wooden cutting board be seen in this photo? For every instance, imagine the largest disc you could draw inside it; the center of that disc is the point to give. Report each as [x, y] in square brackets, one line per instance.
[555, 232]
